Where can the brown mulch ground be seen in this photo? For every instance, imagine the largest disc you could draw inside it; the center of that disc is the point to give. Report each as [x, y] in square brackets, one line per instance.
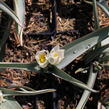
[70, 15]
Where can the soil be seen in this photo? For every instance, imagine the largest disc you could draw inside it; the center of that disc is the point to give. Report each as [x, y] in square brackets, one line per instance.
[71, 15]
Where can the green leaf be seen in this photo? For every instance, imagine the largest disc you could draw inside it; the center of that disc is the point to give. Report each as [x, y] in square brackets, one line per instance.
[61, 74]
[24, 66]
[54, 70]
[20, 12]
[95, 13]
[81, 45]
[86, 93]
[10, 103]
[4, 7]
[10, 92]
[96, 54]
[18, 87]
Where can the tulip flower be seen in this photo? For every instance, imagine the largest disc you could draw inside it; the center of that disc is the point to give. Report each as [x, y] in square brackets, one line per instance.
[56, 55]
[41, 58]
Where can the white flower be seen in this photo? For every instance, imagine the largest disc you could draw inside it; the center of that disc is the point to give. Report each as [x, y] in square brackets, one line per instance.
[41, 58]
[56, 55]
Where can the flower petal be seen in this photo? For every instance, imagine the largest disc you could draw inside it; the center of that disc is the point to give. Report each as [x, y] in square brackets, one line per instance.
[61, 53]
[56, 55]
[41, 58]
[56, 48]
[43, 65]
[53, 60]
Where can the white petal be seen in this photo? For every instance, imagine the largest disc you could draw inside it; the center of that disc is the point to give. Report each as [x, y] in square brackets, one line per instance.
[44, 64]
[61, 53]
[56, 59]
[56, 48]
[42, 51]
[53, 60]
[61, 56]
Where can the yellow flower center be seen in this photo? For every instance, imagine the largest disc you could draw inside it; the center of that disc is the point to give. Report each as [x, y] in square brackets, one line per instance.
[42, 58]
[56, 54]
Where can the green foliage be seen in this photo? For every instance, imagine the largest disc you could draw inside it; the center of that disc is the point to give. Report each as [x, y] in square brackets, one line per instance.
[9, 92]
[4, 7]
[86, 93]
[10, 103]
[20, 12]
[6, 100]
[61, 74]
[81, 45]
[51, 69]
[72, 51]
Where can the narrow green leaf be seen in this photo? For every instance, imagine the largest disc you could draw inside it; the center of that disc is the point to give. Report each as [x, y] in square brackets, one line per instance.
[10, 92]
[61, 74]
[20, 12]
[81, 45]
[55, 71]
[86, 93]
[10, 103]
[24, 66]
[95, 13]
[96, 53]
[18, 87]
[9, 11]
